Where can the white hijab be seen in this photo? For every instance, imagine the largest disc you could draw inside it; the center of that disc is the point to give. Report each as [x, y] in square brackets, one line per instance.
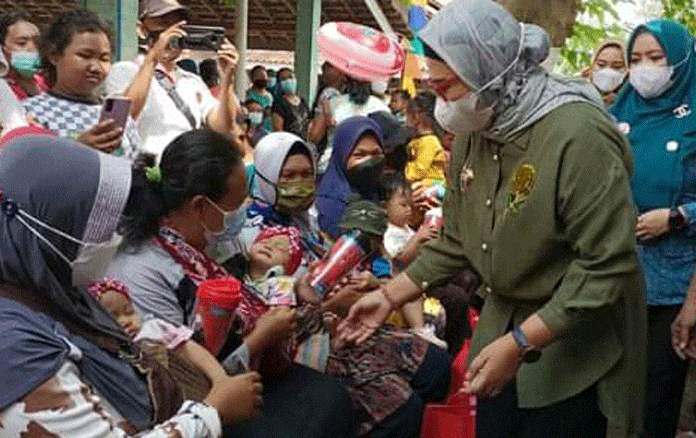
[270, 154]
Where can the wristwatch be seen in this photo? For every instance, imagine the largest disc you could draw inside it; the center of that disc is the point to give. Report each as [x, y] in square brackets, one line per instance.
[677, 221]
[528, 354]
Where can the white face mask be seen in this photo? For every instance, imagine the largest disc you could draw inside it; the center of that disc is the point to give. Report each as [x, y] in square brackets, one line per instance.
[233, 222]
[379, 87]
[607, 79]
[651, 81]
[461, 116]
[92, 260]
[255, 118]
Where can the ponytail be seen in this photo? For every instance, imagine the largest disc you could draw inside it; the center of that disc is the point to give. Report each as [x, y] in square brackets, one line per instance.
[195, 163]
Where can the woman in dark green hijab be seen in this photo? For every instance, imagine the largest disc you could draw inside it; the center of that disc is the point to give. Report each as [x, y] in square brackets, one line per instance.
[654, 111]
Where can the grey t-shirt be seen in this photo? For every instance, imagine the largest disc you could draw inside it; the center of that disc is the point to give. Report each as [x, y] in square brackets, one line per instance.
[157, 284]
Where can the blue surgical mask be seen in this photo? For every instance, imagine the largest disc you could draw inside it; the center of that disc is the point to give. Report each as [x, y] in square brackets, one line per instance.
[25, 63]
[233, 222]
[271, 82]
[289, 85]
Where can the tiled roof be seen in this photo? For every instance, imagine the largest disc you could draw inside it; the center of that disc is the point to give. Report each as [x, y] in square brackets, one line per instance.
[271, 22]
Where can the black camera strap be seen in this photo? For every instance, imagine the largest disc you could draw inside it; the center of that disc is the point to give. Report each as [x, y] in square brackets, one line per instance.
[170, 88]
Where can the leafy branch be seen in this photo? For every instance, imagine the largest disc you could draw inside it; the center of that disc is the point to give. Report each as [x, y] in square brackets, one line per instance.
[681, 11]
[588, 34]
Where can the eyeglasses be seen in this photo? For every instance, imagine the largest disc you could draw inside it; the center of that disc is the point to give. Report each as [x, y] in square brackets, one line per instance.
[441, 86]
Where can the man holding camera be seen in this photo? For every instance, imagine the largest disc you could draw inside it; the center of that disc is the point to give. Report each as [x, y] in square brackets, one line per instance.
[167, 101]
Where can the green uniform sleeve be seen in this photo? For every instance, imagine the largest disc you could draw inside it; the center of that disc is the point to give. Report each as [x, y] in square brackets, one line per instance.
[444, 258]
[595, 210]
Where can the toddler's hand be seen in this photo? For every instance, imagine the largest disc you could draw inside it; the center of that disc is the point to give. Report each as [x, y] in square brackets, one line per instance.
[426, 233]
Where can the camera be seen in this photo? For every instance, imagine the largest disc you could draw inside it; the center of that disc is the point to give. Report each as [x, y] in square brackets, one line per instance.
[201, 38]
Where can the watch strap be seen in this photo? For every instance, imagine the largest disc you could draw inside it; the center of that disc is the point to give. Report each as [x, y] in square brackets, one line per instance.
[519, 337]
[677, 221]
[528, 354]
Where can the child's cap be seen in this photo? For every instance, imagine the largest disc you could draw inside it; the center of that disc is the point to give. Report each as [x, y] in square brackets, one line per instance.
[365, 216]
[99, 288]
[295, 244]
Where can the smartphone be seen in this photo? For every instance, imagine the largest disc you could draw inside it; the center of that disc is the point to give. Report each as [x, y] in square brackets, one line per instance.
[117, 109]
[201, 38]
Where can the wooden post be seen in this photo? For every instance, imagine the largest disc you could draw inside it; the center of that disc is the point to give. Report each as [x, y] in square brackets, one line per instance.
[306, 48]
[123, 16]
[241, 29]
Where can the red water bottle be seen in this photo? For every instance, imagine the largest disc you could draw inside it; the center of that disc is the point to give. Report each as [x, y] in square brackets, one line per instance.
[217, 301]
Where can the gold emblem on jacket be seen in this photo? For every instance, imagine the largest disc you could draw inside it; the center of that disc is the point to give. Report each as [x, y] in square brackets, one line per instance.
[521, 186]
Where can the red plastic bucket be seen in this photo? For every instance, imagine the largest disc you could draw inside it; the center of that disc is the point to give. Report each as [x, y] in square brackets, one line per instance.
[448, 421]
[217, 300]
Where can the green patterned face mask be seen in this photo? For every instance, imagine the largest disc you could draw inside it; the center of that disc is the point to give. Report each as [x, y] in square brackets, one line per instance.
[295, 196]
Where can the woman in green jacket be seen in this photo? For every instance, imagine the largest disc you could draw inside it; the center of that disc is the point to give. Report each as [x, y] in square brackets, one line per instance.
[540, 206]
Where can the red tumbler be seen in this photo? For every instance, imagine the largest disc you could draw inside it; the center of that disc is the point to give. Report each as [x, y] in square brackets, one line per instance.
[347, 253]
[434, 218]
[217, 300]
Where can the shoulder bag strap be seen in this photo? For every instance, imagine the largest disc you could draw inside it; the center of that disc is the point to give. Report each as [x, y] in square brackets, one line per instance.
[176, 97]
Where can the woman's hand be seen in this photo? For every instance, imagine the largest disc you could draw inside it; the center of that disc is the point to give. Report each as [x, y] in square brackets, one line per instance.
[683, 340]
[237, 397]
[104, 136]
[494, 366]
[653, 224]
[368, 313]
[341, 298]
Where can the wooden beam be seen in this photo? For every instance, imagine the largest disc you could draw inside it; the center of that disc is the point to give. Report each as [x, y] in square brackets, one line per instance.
[289, 6]
[306, 47]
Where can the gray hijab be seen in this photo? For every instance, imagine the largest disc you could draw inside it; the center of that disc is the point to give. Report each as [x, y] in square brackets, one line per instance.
[500, 58]
[73, 189]
[82, 193]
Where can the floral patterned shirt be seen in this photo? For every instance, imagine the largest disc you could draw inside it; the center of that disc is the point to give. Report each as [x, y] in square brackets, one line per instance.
[67, 407]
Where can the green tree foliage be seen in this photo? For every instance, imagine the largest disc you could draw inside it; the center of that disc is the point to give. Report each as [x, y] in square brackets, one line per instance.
[681, 11]
[600, 22]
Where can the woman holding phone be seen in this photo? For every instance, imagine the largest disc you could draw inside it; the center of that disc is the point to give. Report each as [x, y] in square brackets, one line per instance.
[76, 52]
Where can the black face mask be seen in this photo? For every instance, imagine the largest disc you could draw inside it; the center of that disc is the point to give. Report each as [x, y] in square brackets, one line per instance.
[364, 177]
[260, 83]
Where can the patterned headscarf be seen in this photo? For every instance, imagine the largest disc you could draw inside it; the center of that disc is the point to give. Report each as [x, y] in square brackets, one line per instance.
[99, 288]
[295, 239]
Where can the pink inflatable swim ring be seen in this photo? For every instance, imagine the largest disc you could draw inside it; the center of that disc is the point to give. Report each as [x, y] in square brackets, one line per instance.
[360, 51]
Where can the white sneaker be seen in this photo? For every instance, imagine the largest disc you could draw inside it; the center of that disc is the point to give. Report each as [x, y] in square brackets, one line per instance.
[428, 333]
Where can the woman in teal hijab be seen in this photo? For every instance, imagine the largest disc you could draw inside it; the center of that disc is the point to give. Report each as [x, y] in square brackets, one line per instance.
[655, 112]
